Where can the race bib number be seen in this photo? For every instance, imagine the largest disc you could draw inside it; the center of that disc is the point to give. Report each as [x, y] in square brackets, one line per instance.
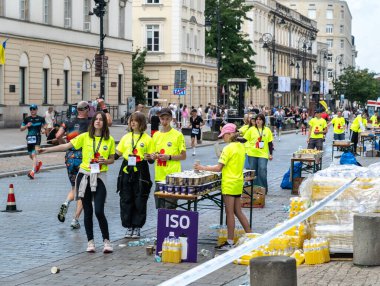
[131, 160]
[31, 139]
[195, 131]
[261, 144]
[95, 168]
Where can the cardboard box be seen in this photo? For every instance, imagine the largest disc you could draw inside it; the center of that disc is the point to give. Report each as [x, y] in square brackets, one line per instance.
[258, 197]
[296, 185]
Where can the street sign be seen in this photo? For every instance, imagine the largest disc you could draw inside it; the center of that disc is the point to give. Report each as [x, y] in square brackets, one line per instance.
[101, 65]
[179, 91]
[180, 78]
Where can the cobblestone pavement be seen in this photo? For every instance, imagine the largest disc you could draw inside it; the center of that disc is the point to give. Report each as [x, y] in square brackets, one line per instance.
[34, 240]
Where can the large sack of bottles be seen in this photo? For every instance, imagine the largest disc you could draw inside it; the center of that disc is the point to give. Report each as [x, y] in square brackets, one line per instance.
[335, 221]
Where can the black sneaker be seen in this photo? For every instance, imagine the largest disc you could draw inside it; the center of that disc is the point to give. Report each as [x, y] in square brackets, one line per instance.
[62, 212]
[225, 246]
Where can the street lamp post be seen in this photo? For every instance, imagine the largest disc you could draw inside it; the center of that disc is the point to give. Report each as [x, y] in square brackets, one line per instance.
[306, 46]
[220, 101]
[297, 66]
[322, 67]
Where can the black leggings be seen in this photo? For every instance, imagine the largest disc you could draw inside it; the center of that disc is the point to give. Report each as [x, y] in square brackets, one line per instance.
[99, 199]
[355, 139]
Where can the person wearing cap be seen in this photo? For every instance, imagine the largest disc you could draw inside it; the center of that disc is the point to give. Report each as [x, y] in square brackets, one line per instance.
[231, 164]
[358, 125]
[317, 131]
[339, 124]
[169, 151]
[34, 123]
[259, 148]
[70, 129]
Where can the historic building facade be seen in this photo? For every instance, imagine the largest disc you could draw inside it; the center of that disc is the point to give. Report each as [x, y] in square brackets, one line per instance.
[50, 51]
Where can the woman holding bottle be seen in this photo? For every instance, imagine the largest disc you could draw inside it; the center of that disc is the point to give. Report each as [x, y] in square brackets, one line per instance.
[98, 149]
[231, 164]
[134, 182]
[260, 150]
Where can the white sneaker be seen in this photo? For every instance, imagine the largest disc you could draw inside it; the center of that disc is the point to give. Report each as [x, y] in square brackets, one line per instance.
[107, 246]
[136, 232]
[75, 224]
[91, 246]
[129, 233]
[225, 246]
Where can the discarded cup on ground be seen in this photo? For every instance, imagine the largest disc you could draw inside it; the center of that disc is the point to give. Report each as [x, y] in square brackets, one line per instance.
[205, 252]
[54, 270]
[149, 249]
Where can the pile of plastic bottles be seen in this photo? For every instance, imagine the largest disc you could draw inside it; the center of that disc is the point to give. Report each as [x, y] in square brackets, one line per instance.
[297, 205]
[222, 234]
[171, 250]
[316, 251]
[142, 242]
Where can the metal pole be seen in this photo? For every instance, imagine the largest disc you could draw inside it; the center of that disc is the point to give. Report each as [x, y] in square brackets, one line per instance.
[273, 58]
[101, 49]
[219, 97]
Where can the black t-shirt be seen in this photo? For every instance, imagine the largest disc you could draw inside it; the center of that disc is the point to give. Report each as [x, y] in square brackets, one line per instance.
[197, 121]
[37, 123]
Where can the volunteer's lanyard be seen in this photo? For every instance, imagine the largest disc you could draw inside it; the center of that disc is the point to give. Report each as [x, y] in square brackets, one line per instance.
[260, 134]
[133, 141]
[96, 154]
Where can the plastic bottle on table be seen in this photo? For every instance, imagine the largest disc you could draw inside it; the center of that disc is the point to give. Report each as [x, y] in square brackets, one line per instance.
[165, 250]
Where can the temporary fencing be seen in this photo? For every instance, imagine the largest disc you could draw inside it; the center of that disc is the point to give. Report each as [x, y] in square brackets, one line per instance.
[228, 257]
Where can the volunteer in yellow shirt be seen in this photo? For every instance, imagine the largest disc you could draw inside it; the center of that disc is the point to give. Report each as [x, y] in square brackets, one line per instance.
[98, 150]
[358, 125]
[231, 164]
[317, 130]
[169, 150]
[247, 118]
[375, 122]
[339, 125]
[260, 149]
[134, 182]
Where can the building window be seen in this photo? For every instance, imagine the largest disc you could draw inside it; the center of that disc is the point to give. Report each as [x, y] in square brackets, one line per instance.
[47, 12]
[329, 28]
[330, 43]
[22, 85]
[342, 44]
[191, 4]
[2, 8]
[329, 58]
[67, 13]
[86, 17]
[65, 86]
[341, 29]
[120, 89]
[24, 10]
[153, 1]
[330, 73]
[45, 85]
[121, 22]
[152, 94]
[312, 13]
[342, 14]
[153, 38]
[329, 14]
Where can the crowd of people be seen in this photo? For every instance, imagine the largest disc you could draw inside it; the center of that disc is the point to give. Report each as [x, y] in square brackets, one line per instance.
[90, 149]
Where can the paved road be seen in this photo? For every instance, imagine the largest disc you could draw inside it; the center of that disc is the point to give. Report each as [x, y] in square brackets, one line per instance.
[34, 240]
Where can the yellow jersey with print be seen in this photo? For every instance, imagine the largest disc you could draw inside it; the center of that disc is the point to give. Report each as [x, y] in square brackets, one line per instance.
[93, 147]
[317, 125]
[243, 129]
[339, 124]
[136, 145]
[168, 143]
[359, 120]
[258, 141]
[233, 158]
[374, 121]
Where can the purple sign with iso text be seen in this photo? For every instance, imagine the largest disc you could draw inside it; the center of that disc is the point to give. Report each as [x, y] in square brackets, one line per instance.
[184, 225]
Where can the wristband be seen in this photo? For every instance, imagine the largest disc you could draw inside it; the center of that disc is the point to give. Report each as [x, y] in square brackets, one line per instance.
[170, 157]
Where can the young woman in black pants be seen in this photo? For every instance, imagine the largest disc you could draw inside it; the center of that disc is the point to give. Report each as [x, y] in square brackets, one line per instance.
[98, 150]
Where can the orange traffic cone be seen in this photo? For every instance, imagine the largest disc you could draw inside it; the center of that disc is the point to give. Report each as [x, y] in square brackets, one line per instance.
[11, 202]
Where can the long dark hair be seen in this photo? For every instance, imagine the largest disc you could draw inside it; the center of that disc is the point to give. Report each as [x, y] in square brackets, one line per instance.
[262, 117]
[105, 129]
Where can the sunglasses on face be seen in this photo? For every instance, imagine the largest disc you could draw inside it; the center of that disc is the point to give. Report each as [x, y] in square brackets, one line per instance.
[33, 109]
[82, 109]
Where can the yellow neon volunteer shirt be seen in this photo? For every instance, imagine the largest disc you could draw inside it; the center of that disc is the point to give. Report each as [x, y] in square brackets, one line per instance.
[355, 126]
[317, 125]
[339, 124]
[84, 141]
[168, 143]
[252, 135]
[143, 145]
[232, 157]
[374, 121]
[243, 129]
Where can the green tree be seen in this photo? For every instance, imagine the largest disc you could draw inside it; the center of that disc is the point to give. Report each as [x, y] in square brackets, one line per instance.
[357, 85]
[139, 80]
[236, 48]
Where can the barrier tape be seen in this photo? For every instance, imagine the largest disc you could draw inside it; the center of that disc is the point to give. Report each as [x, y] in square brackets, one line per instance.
[226, 258]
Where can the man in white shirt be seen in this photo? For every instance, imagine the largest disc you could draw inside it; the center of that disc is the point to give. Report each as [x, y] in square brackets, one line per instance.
[200, 111]
[346, 115]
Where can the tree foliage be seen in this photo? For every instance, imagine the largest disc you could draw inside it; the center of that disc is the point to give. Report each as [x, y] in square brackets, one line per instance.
[357, 85]
[139, 80]
[236, 49]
